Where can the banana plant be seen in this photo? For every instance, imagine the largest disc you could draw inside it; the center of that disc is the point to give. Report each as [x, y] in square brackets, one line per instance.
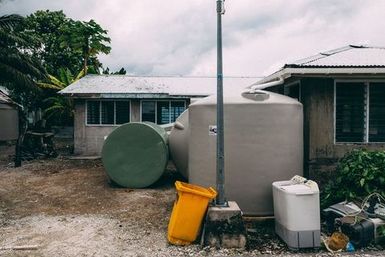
[64, 79]
[59, 106]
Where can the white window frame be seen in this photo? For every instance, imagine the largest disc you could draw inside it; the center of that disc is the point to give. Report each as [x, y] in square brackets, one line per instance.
[156, 107]
[366, 82]
[100, 112]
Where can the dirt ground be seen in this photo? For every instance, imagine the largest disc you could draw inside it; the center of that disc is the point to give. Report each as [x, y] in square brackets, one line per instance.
[67, 207]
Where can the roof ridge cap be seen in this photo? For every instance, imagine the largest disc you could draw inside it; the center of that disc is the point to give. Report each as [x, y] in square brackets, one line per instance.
[166, 76]
[322, 54]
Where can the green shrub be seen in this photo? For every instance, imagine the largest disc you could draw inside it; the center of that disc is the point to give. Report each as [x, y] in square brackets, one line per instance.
[358, 174]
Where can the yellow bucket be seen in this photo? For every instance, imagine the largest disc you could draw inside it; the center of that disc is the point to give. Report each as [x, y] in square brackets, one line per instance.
[188, 211]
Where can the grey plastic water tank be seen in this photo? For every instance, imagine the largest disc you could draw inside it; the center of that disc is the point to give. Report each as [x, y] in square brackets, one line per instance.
[263, 144]
[178, 139]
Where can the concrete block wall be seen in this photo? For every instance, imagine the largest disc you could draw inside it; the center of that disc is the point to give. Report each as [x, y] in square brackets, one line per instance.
[9, 119]
[89, 139]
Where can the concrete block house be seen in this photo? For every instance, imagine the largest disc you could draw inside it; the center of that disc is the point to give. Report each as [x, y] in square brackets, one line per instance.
[103, 102]
[9, 117]
[343, 97]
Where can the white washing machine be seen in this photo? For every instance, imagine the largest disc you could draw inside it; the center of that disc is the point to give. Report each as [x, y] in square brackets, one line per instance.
[297, 212]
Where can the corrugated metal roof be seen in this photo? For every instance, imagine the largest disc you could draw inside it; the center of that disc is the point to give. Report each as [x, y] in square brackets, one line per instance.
[348, 56]
[345, 61]
[169, 86]
[4, 98]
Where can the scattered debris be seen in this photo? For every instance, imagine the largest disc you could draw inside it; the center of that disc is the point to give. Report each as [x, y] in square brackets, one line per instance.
[20, 247]
[363, 223]
[67, 208]
[84, 157]
[336, 242]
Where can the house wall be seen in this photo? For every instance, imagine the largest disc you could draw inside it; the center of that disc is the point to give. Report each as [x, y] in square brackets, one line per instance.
[89, 139]
[9, 117]
[321, 153]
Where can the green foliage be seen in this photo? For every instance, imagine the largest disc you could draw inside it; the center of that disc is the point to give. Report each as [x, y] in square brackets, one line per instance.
[65, 43]
[122, 71]
[19, 69]
[47, 42]
[64, 79]
[58, 108]
[86, 38]
[358, 174]
[47, 27]
[10, 21]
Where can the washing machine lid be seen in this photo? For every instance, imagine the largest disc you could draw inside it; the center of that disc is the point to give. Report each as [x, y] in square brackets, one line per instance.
[297, 189]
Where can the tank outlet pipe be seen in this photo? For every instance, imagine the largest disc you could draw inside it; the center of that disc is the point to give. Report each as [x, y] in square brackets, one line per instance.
[256, 87]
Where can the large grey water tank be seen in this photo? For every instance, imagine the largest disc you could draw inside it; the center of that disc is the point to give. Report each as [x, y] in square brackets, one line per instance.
[263, 144]
[178, 142]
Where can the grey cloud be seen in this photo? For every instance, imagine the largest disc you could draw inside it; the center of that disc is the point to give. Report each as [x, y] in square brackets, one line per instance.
[179, 37]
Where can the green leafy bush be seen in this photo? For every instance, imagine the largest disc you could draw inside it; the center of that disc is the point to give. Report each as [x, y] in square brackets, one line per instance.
[358, 174]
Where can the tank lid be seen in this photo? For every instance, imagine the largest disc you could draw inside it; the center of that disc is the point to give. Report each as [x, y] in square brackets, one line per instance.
[256, 96]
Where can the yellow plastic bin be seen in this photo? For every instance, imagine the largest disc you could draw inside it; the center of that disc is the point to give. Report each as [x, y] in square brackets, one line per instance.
[188, 211]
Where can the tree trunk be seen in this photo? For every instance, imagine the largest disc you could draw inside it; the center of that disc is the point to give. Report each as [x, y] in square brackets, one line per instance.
[20, 139]
[85, 65]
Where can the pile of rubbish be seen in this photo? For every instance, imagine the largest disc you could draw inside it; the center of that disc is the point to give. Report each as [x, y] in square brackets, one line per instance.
[353, 225]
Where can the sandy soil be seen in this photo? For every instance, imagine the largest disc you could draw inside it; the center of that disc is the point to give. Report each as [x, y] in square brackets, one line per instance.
[68, 208]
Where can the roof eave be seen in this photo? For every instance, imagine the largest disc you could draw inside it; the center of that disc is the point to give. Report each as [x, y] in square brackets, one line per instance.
[130, 95]
[288, 71]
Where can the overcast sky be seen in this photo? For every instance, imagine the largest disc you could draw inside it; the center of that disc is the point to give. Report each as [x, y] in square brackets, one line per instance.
[178, 37]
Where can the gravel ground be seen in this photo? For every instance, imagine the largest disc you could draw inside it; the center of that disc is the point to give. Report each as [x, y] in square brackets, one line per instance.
[68, 208]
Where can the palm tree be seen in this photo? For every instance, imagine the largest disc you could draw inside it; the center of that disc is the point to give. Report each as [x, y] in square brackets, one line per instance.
[18, 70]
[17, 67]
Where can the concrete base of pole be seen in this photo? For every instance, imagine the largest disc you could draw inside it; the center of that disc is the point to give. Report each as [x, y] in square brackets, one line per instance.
[224, 227]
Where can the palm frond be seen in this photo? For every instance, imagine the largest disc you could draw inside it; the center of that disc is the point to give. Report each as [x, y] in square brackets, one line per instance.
[52, 99]
[15, 77]
[10, 39]
[48, 86]
[21, 62]
[9, 21]
[80, 75]
[55, 81]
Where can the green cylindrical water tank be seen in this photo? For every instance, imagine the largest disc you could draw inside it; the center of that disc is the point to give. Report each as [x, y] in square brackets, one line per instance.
[135, 155]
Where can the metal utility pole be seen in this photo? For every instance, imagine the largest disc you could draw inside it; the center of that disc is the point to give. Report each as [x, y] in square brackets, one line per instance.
[220, 201]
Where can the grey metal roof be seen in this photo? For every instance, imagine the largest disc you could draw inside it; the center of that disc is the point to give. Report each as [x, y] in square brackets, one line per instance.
[5, 99]
[142, 86]
[348, 56]
[345, 61]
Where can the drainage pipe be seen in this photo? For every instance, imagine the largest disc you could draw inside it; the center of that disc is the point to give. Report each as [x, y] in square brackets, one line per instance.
[256, 87]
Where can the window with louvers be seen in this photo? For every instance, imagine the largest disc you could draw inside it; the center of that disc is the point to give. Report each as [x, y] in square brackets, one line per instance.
[148, 111]
[162, 111]
[350, 112]
[177, 107]
[122, 112]
[108, 112]
[93, 112]
[377, 112]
